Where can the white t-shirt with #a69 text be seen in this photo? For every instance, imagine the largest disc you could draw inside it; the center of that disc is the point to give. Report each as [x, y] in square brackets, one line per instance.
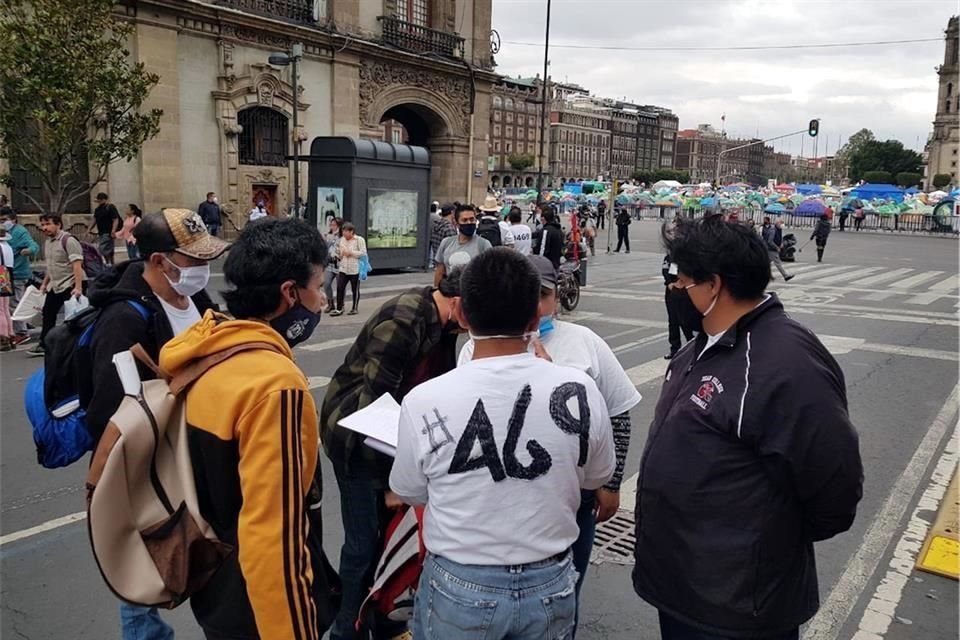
[499, 449]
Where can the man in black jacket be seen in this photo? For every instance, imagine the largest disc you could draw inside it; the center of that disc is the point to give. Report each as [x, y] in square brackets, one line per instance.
[169, 284]
[743, 469]
[548, 241]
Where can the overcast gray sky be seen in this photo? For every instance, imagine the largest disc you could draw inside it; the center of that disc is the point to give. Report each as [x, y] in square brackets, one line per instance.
[891, 89]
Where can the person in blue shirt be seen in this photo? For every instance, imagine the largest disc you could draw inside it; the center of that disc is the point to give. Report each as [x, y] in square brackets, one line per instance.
[24, 249]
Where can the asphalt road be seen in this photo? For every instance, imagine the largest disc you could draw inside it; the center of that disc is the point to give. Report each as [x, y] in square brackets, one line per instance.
[885, 305]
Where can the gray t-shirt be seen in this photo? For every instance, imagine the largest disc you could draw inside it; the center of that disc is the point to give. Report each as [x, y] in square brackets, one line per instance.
[452, 254]
[60, 258]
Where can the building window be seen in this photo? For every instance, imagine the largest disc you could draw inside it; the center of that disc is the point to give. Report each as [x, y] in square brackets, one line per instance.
[263, 141]
[531, 120]
[496, 116]
[496, 146]
[509, 131]
[508, 104]
[949, 89]
[509, 148]
[521, 133]
[396, 136]
[415, 11]
[496, 130]
[531, 135]
[509, 115]
[497, 102]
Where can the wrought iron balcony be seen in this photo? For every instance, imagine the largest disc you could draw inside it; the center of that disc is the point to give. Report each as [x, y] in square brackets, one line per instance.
[300, 11]
[418, 39]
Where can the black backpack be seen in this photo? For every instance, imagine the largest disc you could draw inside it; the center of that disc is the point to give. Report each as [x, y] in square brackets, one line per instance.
[490, 230]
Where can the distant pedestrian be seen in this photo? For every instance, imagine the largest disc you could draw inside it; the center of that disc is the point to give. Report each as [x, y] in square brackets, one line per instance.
[743, 469]
[210, 212]
[858, 217]
[24, 248]
[258, 212]
[821, 233]
[457, 251]
[602, 215]
[350, 249]
[441, 228]
[131, 218]
[623, 229]
[64, 277]
[332, 239]
[772, 235]
[107, 221]
[677, 303]
[7, 334]
[548, 241]
[522, 235]
[491, 227]
[845, 212]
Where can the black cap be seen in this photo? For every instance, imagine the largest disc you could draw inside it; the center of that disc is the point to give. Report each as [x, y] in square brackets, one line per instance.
[548, 274]
[447, 209]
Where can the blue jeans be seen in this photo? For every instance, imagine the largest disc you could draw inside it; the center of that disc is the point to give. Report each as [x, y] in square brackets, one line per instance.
[673, 629]
[142, 623]
[132, 252]
[213, 228]
[587, 521]
[536, 601]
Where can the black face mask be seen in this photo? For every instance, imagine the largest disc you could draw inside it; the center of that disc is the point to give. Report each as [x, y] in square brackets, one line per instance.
[687, 314]
[296, 325]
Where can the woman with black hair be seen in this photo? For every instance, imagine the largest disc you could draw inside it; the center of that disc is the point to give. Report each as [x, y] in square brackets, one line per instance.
[350, 248]
[332, 238]
[821, 233]
[131, 218]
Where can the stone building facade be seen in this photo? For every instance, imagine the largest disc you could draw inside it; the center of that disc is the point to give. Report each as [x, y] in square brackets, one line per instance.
[515, 128]
[942, 147]
[227, 112]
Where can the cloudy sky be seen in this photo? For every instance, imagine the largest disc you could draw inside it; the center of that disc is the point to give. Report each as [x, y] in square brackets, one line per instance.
[890, 89]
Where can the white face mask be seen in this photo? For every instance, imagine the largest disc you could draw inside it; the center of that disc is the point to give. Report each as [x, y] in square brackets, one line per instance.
[192, 279]
[8, 224]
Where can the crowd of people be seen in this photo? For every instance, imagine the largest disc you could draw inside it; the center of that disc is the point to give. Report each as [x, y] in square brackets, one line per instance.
[514, 447]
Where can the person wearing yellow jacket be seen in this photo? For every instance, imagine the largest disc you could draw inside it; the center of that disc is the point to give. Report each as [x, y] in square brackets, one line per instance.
[254, 438]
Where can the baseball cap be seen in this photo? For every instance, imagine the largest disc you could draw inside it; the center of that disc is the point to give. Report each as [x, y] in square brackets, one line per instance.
[179, 230]
[447, 208]
[548, 275]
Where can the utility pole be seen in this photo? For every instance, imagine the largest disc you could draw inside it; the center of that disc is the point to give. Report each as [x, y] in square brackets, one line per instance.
[544, 108]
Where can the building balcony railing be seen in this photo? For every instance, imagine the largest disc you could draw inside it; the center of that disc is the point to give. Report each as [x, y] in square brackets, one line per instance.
[418, 39]
[300, 11]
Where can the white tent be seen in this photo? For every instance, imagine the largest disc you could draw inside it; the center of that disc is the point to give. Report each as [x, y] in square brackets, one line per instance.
[667, 184]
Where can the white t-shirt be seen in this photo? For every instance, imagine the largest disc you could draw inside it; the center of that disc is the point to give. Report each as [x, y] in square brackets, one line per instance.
[499, 493]
[256, 213]
[180, 319]
[6, 252]
[506, 234]
[573, 345]
[522, 238]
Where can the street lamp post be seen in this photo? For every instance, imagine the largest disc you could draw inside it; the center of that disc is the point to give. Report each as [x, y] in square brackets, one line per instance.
[544, 108]
[281, 60]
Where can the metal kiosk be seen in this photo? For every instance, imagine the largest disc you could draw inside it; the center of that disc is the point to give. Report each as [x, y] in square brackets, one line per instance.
[382, 188]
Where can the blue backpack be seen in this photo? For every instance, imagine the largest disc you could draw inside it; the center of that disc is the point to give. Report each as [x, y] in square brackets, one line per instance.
[52, 402]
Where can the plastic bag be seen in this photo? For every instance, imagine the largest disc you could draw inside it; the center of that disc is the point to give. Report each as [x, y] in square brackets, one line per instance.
[73, 306]
[30, 305]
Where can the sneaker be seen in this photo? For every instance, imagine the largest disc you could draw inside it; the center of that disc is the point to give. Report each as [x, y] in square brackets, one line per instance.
[336, 312]
[788, 278]
[352, 312]
[670, 355]
[23, 338]
[36, 352]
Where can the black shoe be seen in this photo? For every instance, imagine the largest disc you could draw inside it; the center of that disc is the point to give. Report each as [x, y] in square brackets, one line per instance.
[670, 355]
[352, 312]
[788, 278]
[36, 352]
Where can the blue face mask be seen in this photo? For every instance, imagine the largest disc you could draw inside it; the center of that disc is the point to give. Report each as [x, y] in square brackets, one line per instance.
[546, 325]
[296, 325]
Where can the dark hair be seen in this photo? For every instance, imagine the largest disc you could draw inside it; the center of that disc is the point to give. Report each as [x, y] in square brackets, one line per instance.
[339, 222]
[137, 213]
[55, 218]
[460, 209]
[8, 212]
[500, 293]
[549, 214]
[711, 246]
[102, 196]
[211, 193]
[449, 286]
[515, 215]
[347, 226]
[266, 255]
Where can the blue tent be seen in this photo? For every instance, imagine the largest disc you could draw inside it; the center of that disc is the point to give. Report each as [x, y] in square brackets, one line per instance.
[774, 208]
[810, 209]
[912, 191]
[874, 191]
[809, 189]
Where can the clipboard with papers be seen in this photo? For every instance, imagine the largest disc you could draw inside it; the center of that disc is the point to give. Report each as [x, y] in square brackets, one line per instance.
[379, 422]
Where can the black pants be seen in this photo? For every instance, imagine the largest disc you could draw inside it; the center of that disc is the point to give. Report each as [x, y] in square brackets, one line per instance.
[623, 236]
[821, 245]
[673, 322]
[342, 280]
[51, 307]
[602, 220]
[673, 629]
[857, 223]
[843, 222]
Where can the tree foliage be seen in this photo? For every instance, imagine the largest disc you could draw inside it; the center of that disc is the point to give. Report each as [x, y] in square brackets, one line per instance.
[853, 145]
[941, 180]
[71, 94]
[889, 156]
[908, 179]
[652, 176]
[877, 177]
[520, 161]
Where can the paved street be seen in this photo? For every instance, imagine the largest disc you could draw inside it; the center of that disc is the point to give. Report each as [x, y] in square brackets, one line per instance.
[885, 305]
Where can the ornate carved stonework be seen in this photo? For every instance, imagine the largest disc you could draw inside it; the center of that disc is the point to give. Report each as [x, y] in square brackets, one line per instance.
[450, 93]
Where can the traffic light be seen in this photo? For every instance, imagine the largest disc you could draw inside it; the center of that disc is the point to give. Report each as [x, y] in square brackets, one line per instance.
[813, 128]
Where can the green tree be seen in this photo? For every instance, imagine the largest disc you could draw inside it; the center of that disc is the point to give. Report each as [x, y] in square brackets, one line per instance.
[941, 180]
[853, 145]
[71, 95]
[889, 156]
[520, 161]
[907, 179]
[877, 177]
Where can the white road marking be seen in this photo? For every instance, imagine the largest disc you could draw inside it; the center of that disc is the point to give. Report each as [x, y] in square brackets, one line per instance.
[647, 372]
[829, 621]
[884, 277]
[327, 344]
[952, 282]
[826, 271]
[318, 382]
[49, 525]
[848, 275]
[882, 608]
[629, 346]
[925, 298]
[878, 296]
[914, 281]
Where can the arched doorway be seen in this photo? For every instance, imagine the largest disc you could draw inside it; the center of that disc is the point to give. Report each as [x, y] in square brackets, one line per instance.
[529, 182]
[506, 182]
[495, 182]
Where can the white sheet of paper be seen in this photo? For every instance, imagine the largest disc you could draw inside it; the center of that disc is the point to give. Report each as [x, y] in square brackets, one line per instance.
[379, 420]
[382, 447]
[673, 269]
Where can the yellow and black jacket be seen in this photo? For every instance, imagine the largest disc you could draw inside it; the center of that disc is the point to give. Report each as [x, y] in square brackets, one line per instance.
[253, 443]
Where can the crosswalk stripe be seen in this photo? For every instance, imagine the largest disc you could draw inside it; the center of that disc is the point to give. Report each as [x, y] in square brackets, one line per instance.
[848, 275]
[953, 282]
[879, 295]
[318, 382]
[925, 298]
[647, 372]
[799, 268]
[884, 277]
[913, 281]
[813, 276]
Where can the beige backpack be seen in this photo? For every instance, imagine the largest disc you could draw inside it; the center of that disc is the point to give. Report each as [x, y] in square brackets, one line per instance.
[150, 542]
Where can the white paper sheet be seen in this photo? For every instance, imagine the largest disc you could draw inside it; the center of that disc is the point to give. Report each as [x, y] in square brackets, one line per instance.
[380, 420]
[382, 447]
